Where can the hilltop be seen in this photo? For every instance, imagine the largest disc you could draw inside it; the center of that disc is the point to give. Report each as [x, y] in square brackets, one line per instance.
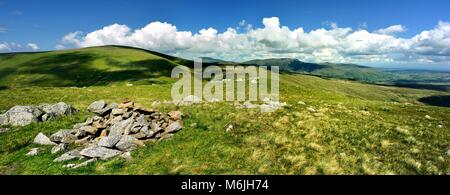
[331, 126]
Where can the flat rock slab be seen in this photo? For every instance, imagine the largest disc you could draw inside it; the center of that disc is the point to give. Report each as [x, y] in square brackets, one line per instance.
[43, 140]
[100, 152]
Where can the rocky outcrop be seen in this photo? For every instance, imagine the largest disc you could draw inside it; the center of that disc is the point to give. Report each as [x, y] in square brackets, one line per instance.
[116, 130]
[25, 115]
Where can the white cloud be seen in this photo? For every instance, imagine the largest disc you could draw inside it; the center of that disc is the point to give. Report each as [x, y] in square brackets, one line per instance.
[391, 30]
[33, 46]
[334, 44]
[16, 47]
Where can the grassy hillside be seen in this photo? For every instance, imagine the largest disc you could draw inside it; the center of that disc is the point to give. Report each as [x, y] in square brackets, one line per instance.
[343, 71]
[357, 129]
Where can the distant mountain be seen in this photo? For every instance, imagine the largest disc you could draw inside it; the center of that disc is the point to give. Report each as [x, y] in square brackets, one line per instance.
[342, 71]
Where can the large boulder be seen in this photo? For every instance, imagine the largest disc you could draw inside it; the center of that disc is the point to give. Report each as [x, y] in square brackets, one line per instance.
[99, 152]
[21, 115]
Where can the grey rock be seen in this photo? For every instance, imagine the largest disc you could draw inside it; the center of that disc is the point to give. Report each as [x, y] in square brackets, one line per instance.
[118, 111]
[127, 143]
[4, 119]
[58, 109]
[33, 152]
[97, 106]
[126, 155]
[121, 128]
[109, 141]
[147, 132]
[43, 140]
[107, 109]
[22, 115]
[59, 148]
[73, 154]
[100, 152]
[175, 115]
[63, 136]
[174, 127]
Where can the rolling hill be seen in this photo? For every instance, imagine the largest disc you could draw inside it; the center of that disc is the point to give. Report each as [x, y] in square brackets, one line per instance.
[342, 71]
[354, 128]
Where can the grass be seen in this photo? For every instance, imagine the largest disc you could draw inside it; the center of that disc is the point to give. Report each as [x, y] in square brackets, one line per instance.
[357, 129]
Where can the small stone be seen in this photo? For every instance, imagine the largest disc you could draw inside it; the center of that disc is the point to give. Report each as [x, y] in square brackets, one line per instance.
[33, 152]
[174, 126]
[59, 148]
[109, 141]
[118, 111]
[301, 103]
[229, 128]
[63, 136]
[166, 136]
[126, 155]
[448, 152]
[310, 109]
[104, 133]
[43, 140]
[107, 109]
[73, 154]
[175, 115]
[82, 141]
[89, 129]
[99, 152]
[85, 163]
[440, 126]
[126, 105]
[69, 165]
[427, 117]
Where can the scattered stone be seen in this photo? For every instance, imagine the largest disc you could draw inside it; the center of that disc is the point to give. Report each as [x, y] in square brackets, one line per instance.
[59, 148]
[427, 117]
[229, 128]
[25, 115]
[175, 115]
[126, 155]
[33, 152]
[440, 126]
[43, 140]
[310, 109]
[174, 127]
[63, 136]
[301, 103]
[448, 152]
[69, 165]
[85, 163]
[71, 155]
[99, 152]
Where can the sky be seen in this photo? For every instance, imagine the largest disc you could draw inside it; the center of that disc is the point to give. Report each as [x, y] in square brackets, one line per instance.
[399, 33]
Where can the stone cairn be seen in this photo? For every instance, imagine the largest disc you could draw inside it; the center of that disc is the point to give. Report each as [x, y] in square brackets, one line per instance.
[116, 130]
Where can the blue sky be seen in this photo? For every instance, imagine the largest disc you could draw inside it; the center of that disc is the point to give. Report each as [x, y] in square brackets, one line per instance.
[46, 22]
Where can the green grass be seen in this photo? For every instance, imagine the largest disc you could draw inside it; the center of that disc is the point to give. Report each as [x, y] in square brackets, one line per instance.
[358, 128]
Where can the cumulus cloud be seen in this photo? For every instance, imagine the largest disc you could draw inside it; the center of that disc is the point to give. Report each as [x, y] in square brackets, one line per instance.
[33, 46]
[14, 47]
[333, 44]
[391, 30]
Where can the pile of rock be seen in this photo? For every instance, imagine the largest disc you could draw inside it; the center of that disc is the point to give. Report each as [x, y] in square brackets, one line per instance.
[116, 130]
[24, 115]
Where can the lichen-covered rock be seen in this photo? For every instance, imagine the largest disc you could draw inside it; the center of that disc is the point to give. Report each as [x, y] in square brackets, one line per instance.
[64, 136]
[22, 115]
[71, 155]
[97, 106]
[127, 143]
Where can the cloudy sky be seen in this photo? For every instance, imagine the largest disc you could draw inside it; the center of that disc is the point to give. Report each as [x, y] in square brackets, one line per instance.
[400, 33]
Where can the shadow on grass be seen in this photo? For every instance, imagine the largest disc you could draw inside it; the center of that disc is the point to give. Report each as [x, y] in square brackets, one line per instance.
[443, 101]
[78, 69]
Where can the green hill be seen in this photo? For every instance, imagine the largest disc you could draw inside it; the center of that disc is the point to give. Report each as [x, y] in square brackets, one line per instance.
[356, 128]
[342, 71]
[85, 67]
